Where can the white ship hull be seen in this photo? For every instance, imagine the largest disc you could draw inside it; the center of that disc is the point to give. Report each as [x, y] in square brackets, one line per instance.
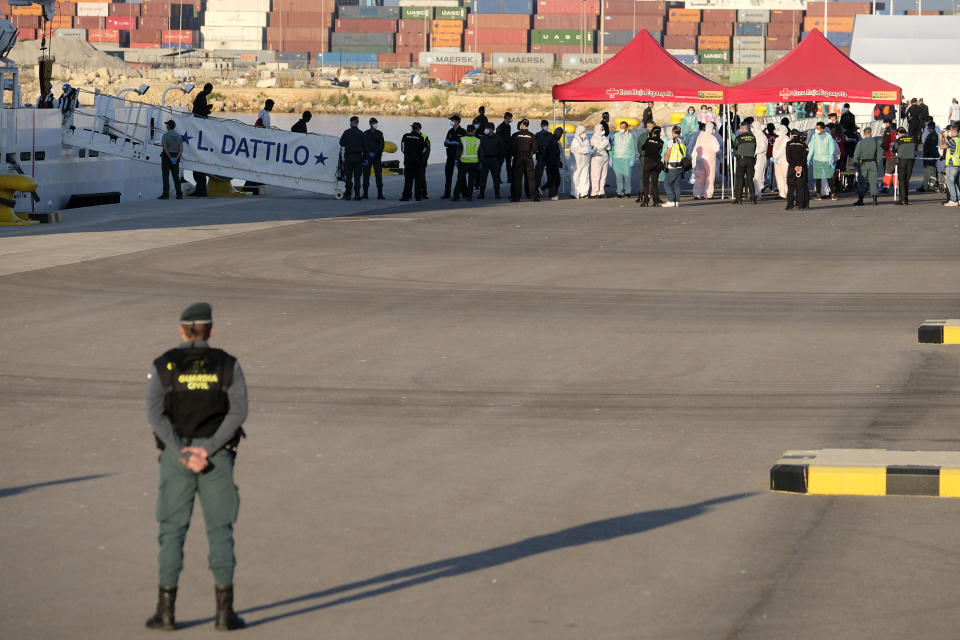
[34, 137]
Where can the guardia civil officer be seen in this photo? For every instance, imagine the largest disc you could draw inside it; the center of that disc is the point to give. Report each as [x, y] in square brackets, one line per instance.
[491, 157]
[413, 145]
[505, 132]
[745, 155]
[467, 161]
[452, 144]
[868, 156]
[171, 150]
[196, 405]
[544, 138]
[905, 149]
[375, 143]
[354, 145]
[798, 193]
[523, 146]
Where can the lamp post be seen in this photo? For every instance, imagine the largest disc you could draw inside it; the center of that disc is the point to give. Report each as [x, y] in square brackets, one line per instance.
[186, 88]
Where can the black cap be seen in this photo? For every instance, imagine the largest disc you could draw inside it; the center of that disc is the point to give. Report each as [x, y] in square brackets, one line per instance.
[171, 123]
[354, 118]
[416, 125]
[373, 121]
[507, 115]
[197, 313]
[544, 123]
[931, 125]
[455, 117]
[901, 130]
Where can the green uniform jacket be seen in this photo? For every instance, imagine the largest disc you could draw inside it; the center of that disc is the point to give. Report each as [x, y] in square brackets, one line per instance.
[868, 149]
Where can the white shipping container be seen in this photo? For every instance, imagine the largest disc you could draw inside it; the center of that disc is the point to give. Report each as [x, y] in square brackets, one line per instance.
[262, 6]
[753, 15]
[72, 33]
[682, 52]
[93, 9]
[748, 42]
[233, 33]
[750, 56]
[235, 19]
[220, 45]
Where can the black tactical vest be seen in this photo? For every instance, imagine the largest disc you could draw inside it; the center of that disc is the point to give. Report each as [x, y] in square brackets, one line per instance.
[195, 383]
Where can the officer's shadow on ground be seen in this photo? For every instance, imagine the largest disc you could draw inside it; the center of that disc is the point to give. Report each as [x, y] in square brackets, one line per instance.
[13, 491]
[598, 531]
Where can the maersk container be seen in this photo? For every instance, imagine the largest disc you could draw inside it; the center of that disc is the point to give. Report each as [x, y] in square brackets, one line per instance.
[561, 36]
[503, 6]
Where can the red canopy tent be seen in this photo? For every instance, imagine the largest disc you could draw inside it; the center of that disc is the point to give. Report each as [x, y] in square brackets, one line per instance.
[815, 71]
[641, 72]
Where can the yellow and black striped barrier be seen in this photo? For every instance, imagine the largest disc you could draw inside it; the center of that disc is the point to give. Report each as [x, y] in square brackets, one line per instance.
[868, 472]
[939, 332]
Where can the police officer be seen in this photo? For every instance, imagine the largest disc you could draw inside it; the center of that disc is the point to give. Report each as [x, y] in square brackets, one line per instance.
[491, 157]
[480, 122]
[745, 155]
[171, 150]
[798, 194]
[196, 405]
[452, 144]
[868, 156]
[201, 109]
[354, 145]
[544, 137]
[413, 146]
[467, 163]
[422, 192]
[505, 132]
[374, 139]
[523, 146]
[905, 149]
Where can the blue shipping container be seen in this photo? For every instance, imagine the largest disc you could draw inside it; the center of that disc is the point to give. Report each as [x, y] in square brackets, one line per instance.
[687, 59]
[840, 39]
[375, 13]
[751, 29]
[503, 6]
[334, 59]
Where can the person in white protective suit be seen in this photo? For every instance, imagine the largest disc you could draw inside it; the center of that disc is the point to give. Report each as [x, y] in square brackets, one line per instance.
[780, 159]
[760, 165]
[705, 151]
[581, 150]
[599, 161]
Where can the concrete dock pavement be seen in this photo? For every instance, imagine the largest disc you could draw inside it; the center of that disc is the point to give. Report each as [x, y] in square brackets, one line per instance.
[495, 420]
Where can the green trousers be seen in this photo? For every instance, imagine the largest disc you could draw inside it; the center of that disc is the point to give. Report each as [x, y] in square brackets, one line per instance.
[220, 502]
[929, 178]
[867, 177]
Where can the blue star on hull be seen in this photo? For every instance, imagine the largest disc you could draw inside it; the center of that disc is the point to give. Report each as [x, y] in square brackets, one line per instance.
[187, 138]
[321, 159]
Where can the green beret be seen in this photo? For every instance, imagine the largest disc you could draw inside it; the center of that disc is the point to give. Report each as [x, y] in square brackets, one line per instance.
[197, 313]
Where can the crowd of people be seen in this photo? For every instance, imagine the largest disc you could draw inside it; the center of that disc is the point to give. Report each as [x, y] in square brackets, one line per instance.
[780, 160]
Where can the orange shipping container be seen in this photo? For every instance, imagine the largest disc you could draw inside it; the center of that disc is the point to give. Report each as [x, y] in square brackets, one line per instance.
[684, 15]
[446, 39]
[446, 26]
[29, 10]
[780, 43]
[786, 15]
[783, 29]
[713, 42]
[500, 21]
[716, 28]
[452, 73]
[839, 24]
[719, 15]
[838, 8]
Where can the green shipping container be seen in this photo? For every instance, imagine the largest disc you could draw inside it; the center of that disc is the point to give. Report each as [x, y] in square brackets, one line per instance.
[739, 74]
[561, 36]
[714, 56]
[349, 48]
[449, 13]
[416, 13]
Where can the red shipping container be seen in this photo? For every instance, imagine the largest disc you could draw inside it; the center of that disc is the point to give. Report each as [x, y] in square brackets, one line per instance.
[507, 21]
[145, 45]
[679, 42]
[618, 22]
[564, 21]
[142, 36]
[154, 22]
[411, 51]
[646, 7]
[716, 29]
[720, 15]
[452, 73]
[121, 22]
[683, 28]
[784, 29]
[61, 22]
[25, 22]
[413, 26]
[103, 35]
[411, 40]
[575, 7]
[305, 34]
[787, 15]
[119, 9]
[63, 8]
[88, 22]
[300, 19]
[496, 36]
[28, 34]
[359, 25]
[175, 36]
[297, 45]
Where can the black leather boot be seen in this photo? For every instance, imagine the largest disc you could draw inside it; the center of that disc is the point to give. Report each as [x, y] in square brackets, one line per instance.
[163, 619]
[227, 618]
[380, 194]
[859, 202]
